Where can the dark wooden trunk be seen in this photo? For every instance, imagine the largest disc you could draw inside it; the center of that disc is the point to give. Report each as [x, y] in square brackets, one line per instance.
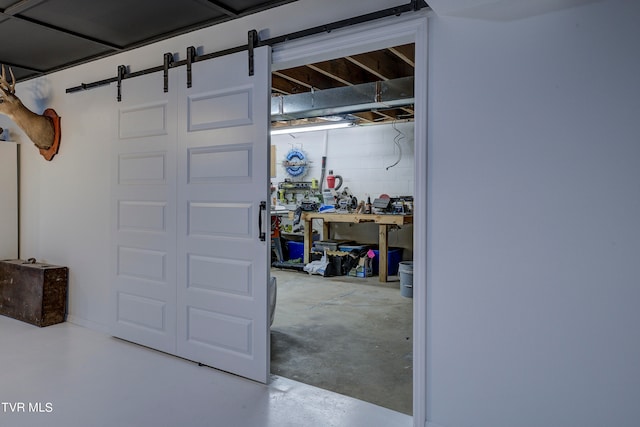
[33, 292]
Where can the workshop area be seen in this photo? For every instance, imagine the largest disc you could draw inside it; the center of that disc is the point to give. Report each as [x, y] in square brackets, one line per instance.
[342, 257]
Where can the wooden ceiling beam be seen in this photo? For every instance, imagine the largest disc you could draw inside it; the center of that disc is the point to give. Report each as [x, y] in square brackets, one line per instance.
[308, 78]
[367, 116]
[343, 71]
[336, 77]
[383, 64]
[285, 86]
[406, 53]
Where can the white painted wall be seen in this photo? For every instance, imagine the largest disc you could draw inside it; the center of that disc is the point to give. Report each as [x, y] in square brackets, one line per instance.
[65, 203]
[8, 200]
[534, 232]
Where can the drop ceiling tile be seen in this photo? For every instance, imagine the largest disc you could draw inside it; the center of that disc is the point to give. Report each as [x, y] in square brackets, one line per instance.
[122, 22]
[43, 49]
[48, 35]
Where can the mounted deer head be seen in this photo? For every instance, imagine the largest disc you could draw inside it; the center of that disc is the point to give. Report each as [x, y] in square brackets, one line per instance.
[43, 130]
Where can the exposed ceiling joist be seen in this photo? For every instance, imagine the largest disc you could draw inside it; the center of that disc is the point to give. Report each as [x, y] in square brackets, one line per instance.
[406, 53]
[382, 63]
[373, 67]
[343, 71]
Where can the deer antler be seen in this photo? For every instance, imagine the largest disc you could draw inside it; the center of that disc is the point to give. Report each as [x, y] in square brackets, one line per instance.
[4, 85]
[43, 130]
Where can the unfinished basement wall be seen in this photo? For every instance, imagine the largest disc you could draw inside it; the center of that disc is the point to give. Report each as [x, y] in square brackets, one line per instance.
[370, 163]
[534, 232]
[362, 155]
[65, 203]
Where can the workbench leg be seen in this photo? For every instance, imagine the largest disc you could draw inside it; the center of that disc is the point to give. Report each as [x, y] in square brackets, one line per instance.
[326, 230]
[383, 250]
[308, 240]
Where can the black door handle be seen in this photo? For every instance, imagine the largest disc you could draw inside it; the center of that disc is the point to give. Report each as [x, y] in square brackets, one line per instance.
[263, 208]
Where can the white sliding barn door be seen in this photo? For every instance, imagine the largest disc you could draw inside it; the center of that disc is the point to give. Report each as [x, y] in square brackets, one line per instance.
[223, 177]
[143, 212]
[190, 271]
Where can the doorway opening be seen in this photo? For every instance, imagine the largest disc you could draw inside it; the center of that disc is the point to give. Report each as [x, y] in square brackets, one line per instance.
[349, 330]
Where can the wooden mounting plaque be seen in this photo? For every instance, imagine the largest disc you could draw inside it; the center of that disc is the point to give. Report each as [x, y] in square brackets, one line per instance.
[53, 150]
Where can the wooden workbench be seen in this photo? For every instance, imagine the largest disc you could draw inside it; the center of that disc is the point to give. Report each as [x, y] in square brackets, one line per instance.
[383, 221]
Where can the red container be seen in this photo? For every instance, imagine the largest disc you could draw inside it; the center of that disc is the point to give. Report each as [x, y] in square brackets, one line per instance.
[331, 180]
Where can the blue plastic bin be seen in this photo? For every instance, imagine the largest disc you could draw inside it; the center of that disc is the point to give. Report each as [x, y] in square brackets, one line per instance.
[394, 256]
[296, 249]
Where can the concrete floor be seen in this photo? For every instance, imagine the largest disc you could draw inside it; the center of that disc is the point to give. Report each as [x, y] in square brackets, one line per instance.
[349, 335]
[67, 375]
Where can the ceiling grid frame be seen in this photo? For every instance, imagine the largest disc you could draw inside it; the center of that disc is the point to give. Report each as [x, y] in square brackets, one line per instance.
[53, 35]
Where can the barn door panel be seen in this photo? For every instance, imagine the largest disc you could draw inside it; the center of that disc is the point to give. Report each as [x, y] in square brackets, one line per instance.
[222, 179]
[143, 212]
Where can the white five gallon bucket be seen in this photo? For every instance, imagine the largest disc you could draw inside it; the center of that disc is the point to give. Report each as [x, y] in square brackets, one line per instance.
[406, 278]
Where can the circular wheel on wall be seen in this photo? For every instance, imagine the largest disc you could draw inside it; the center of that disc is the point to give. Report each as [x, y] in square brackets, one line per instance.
[295, 163]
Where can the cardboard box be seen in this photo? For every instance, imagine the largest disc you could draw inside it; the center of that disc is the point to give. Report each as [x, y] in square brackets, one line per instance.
[363, 269]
